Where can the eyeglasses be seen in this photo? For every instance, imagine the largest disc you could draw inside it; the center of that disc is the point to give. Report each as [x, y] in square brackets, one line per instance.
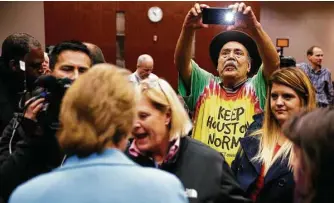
[153, 83]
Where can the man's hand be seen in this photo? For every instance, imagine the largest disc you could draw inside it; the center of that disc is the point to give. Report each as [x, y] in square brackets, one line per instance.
[34, 108]
[245, 19]
[247, 23]
[193, 19]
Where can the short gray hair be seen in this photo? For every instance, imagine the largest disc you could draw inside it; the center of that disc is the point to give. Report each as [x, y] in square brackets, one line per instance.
[144, 57]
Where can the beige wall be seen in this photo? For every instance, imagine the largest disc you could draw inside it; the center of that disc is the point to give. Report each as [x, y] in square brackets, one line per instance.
[305, 24]
[22, 17]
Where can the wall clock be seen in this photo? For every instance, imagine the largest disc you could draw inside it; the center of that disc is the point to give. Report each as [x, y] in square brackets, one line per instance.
[155, 14]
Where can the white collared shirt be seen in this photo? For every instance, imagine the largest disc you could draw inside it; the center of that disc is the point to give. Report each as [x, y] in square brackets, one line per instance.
[134, 77]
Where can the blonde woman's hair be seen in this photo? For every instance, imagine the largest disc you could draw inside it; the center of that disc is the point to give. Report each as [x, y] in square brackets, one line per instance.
[297, 80]
[98, 108]
[164, 98]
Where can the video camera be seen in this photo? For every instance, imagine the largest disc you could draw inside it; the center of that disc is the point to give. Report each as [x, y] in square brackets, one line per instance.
[287, 61]
[53, 90]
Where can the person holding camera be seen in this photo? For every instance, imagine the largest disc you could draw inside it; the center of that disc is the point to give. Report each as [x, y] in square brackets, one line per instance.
[20, 64]
[224, 105]
[28, 146]
[15, 77]
[68, 61]
[95, 131]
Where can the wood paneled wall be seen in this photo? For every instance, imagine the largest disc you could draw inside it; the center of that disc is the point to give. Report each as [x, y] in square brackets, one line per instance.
[96, 22]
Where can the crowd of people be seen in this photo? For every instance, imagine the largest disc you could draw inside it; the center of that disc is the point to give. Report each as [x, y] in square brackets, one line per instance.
[77, 129]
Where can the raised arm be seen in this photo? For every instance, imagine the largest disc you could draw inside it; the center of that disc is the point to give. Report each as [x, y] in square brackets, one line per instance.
[182, 55]
[246, 21]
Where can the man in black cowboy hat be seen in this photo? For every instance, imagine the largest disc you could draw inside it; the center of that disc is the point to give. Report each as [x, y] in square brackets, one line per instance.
[223, 106]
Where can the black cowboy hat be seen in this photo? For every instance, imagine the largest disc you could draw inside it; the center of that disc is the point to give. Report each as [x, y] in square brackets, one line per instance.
[222, 38]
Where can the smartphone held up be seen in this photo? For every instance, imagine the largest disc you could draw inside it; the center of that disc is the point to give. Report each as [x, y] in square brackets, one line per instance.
[219, 16]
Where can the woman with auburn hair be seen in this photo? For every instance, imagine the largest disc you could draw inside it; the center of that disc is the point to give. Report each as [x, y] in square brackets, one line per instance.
[97, 115]
[312, 135]
[262, 165]
[160, 140]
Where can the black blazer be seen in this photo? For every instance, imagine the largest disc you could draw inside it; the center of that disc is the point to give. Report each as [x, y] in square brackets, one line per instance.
[202, 169]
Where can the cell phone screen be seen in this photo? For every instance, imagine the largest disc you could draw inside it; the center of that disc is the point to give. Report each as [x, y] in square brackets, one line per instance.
[221, 16]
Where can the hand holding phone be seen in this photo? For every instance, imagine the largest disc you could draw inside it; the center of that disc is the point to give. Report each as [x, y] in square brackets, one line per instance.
[245, 19]
[218, 16]
[193, 18]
